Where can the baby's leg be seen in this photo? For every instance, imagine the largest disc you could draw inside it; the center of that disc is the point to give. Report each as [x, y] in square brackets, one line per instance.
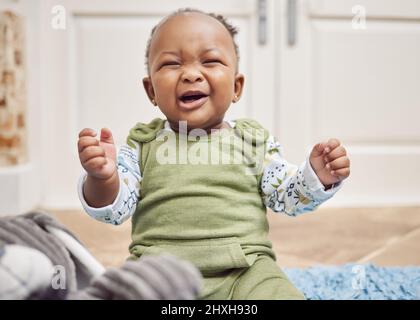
[265, 281]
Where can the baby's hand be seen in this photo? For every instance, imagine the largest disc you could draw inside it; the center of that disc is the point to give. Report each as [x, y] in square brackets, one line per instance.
[330, 162]
[98, 158]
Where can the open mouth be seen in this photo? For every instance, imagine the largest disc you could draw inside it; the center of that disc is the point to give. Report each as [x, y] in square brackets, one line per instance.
[192, 99]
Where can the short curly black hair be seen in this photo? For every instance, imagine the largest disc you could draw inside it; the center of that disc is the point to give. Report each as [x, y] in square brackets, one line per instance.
[233, 31]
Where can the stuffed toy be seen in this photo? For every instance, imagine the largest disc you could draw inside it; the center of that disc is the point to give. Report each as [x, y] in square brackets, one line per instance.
[41, 259]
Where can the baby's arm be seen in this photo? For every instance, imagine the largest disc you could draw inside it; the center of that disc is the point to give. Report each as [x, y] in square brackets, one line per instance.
[291, 189]
[123, 204]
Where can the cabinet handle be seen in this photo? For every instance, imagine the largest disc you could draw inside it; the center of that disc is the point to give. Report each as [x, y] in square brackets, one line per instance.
[262, 22]
[291, 22]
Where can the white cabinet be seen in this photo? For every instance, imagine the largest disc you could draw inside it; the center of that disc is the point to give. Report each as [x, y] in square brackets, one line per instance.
[358, 80]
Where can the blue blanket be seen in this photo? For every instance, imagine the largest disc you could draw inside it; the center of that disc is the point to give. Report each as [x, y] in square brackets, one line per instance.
[357, 282]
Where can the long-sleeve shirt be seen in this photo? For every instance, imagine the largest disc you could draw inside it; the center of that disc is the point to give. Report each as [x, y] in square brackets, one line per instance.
[285, 187]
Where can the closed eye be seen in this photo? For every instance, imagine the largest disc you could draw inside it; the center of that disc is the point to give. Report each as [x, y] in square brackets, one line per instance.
[169, 63]
[212, 62]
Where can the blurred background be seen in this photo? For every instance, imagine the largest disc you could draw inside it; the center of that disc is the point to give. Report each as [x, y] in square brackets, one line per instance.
[314, 69]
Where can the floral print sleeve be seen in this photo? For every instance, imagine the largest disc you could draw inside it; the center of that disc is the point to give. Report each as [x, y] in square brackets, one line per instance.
[125, 204]
[288, 188]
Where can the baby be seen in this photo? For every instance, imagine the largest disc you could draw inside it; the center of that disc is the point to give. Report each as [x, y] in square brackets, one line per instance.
[176, 179]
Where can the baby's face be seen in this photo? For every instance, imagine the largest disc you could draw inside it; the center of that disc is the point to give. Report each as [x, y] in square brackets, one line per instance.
[192, 71]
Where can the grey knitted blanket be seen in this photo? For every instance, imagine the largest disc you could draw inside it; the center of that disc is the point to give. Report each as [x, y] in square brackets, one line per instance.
[32, 235]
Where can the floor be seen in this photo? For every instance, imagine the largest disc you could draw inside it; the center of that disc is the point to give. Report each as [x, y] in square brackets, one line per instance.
[383, 236]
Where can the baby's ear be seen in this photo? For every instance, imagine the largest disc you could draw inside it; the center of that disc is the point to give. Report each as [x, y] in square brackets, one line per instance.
[239, 85]
[147, 84]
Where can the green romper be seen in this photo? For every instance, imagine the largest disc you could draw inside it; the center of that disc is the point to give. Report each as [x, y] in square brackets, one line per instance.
[211, 214]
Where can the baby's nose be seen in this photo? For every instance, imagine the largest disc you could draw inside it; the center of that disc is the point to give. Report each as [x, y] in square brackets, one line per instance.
[191, 74]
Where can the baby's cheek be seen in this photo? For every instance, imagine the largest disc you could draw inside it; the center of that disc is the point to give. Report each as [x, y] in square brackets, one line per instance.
[223, 76]
[164, 81]
[165, 92]
[224, 85]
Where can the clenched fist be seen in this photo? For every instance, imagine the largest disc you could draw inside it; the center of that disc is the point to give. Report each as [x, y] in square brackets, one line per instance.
[98, 157]
[330, 162]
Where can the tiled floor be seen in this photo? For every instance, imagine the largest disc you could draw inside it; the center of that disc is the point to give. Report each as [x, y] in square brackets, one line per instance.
[384, 236]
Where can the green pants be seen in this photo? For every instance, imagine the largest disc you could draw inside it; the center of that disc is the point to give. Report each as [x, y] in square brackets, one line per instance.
[262, 281]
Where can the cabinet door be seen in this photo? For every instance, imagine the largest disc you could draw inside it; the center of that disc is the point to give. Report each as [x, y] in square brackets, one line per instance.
[351, 70]
[93, 68]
